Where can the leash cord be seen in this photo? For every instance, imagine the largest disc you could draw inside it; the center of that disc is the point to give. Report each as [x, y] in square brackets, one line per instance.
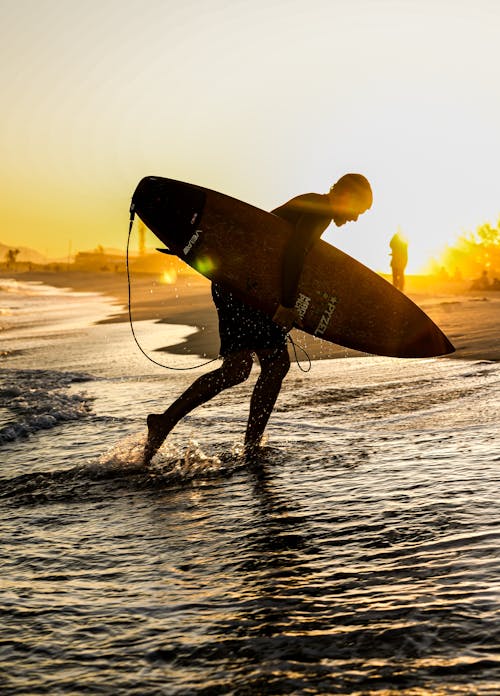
[192, 367]
[155, 362]
[295, 346]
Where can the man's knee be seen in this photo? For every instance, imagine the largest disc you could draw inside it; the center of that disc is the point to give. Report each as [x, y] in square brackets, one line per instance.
[283, 367]
[275, 364]
[236, 369]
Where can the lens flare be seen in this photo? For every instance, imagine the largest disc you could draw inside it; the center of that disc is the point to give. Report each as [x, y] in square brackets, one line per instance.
[169, 277]
[205, 265]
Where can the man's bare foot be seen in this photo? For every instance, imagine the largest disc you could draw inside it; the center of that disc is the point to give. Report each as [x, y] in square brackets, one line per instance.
[158, 429]
[251, 452]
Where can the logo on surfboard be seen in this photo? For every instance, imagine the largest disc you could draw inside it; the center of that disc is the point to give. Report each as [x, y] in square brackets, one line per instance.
[301, 304]
[191, 242]
[326, 316]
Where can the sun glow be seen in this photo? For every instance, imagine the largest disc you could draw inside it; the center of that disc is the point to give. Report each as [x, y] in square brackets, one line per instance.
[161, 97]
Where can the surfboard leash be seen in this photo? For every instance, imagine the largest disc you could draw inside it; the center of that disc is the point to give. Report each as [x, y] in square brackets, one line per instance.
[295, 346]
[192, 367]
[155, 362]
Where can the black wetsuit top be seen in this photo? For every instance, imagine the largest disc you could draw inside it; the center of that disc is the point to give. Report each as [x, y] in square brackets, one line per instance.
[242, 327]
[309, 215]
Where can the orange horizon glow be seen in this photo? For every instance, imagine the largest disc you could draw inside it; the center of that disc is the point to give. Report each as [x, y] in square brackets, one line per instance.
[97, 98]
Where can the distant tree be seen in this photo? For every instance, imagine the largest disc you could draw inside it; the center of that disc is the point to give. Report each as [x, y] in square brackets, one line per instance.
[11, 258]
[472, 254]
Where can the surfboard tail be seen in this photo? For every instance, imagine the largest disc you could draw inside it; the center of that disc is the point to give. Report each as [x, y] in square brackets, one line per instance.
[171, 209]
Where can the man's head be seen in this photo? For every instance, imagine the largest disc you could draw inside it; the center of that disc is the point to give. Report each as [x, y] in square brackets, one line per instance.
[350, 197]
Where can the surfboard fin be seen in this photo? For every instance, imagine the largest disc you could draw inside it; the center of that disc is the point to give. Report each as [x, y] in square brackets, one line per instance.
[165, 251]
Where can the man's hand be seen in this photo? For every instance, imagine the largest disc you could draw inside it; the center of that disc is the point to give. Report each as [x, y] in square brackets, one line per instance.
[286, 317]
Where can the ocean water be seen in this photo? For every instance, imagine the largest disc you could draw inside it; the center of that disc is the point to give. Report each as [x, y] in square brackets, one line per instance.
[361, 556]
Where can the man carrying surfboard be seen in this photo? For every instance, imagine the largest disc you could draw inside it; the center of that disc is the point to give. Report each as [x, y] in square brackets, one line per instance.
[245, 331]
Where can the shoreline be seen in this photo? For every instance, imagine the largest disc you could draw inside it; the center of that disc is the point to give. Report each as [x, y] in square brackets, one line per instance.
[470, 319]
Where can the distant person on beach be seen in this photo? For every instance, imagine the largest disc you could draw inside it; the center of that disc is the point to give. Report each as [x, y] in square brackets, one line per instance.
[245, 331]
[399, 259]
[481, 283]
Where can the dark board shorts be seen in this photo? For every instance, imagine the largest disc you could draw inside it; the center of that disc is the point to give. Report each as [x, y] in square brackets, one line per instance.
[242, 327]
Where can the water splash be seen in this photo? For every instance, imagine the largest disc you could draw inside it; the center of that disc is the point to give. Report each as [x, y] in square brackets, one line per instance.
[122, 467]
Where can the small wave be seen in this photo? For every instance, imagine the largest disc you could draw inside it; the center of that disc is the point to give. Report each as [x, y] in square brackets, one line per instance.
[39, 399]
[32, 288]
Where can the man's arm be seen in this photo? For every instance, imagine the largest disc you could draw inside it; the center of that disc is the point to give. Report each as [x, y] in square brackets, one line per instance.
[294, 256]
[310, 216]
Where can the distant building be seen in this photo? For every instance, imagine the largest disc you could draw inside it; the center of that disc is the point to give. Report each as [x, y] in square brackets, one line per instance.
[98, 260]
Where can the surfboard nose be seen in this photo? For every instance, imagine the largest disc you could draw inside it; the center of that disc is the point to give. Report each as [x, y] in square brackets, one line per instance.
[171, 209]
[449, 347]
[441, 345]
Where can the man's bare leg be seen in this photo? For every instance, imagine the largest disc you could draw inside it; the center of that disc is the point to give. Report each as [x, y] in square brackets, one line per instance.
[274, 364]
[234, 369]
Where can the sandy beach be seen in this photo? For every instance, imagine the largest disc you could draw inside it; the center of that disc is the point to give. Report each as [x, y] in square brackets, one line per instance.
[471, 319]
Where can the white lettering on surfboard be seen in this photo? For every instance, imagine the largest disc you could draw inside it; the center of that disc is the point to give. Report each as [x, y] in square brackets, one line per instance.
[326, 316]
[301, 304]
[191, 243]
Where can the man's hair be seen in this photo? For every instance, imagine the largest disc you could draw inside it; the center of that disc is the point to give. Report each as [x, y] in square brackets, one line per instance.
[358, 185]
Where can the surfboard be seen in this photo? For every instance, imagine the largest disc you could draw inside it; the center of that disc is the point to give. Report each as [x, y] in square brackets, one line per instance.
[241, 247]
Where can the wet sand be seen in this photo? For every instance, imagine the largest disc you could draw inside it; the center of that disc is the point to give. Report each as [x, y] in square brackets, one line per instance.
[470, 319]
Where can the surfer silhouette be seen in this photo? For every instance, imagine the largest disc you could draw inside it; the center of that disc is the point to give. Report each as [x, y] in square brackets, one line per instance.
[399, 259]
[245, 331]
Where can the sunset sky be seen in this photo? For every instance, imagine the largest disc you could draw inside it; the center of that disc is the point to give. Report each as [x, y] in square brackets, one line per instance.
[262, 100]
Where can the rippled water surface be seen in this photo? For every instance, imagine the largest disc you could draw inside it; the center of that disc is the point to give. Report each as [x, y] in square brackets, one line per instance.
[359, 556]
